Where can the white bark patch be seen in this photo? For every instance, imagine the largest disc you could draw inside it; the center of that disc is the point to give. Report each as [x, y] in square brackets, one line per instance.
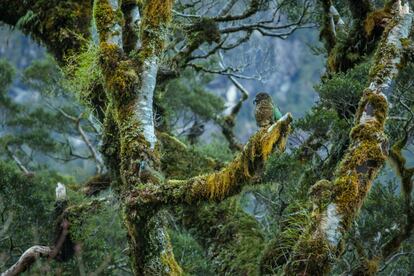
[330, 225]
[400, 31]
[136, 21]
[382, 83]
[143, 107]
[366, 118]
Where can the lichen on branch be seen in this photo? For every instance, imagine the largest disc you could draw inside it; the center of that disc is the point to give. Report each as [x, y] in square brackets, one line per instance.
[359, 167]
[245, 168]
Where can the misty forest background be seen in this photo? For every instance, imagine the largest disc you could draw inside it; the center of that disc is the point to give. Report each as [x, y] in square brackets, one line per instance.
[44, 124]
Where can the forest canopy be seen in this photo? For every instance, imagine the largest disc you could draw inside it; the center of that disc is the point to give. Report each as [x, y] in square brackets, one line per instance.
[198, 137]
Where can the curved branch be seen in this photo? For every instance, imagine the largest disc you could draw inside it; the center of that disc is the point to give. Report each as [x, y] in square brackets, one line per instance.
[343, 197]
[244, 169]
[27, 259]
[63, 26]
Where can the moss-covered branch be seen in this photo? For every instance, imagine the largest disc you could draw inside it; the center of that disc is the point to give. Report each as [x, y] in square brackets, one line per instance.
[129, 84]
[224, 230]
[370, 266]
[62, 26]
[337, 203]
[246, 167]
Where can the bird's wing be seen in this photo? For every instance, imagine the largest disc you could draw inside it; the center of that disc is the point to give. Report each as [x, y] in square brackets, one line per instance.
[277, 113]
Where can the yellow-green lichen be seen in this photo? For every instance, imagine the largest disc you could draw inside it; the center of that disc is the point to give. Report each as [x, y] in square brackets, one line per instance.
[312, 257]
[379, 106]
[169, 261]
[249, 163]
[156, 17]
[376, 21]
[104, 18]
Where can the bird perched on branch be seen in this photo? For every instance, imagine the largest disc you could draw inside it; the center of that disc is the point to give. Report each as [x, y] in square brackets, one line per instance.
[266, 112]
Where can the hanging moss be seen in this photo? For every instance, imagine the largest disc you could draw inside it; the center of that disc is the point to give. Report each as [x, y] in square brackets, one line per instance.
[279, 249]
[313, 252]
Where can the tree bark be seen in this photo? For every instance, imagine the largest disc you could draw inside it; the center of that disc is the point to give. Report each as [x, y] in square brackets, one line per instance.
[245, 168]
[27, 259]
[337, 204]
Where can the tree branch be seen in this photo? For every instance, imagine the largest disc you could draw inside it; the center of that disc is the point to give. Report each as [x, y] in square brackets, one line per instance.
[27, 259]
[245, 168]
[366, 154]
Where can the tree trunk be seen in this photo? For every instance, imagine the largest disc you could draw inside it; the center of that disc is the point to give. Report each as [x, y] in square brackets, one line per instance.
[337, 204]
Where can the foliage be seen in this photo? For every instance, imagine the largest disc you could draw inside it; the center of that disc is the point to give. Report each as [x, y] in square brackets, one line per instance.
[251, 234]
[186, 98]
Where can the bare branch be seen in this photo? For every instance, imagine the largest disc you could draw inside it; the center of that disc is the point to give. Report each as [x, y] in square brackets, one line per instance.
[96, 156]
[17, 160]
[226, 9]
[27, 259]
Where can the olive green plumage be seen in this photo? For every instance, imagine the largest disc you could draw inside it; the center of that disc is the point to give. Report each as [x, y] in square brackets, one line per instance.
[266, 112]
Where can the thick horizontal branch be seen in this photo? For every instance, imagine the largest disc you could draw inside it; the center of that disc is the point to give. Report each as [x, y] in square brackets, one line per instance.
[27, 259]
[245, 168]
[62, 26]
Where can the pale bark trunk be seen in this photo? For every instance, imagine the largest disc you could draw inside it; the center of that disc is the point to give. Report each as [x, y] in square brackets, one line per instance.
[359, 167]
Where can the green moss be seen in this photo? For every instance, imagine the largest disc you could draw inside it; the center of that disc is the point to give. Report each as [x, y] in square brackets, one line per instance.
[63, 26]
[321, 193]
[78, 216]
[313, 258]
[376, 20]
[120, 76]
[104, 17]
[365, 131]
[231, 239]
[85, 78]
[181, 162]
[156, 16]
[379, 105]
